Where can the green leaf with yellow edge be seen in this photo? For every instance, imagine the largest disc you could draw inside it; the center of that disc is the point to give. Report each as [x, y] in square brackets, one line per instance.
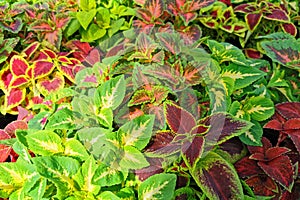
[74, 148]
[158, 186]
[133, 159]
[243, 75]
[45, 143]
[60, 170]
[111, 93]
[260, 108]
[85, 176]
[137, 132]
[217, 178]
[108, 175]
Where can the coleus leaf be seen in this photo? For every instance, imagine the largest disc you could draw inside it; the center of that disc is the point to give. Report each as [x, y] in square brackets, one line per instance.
[158, 112]
[31, 49]
[42, 68]
[288, 110]
[18, 66]
[132, 158]
[279, 169]
[179, 120]
[190, 34]
[247, 167]
[170, 42]
[41, 25]
[14, 26]
[260, 108]
[253, 20]
[277, 15]
[86, 17]
[12, 127]
[61, 119]
[14, 98]
[4, 149]
[262, 185]
[206, 173]
[159, 186]
[140, 97]
[74, 148]
[289, 28]
[192, 151]
[49, 85]
[155, 7]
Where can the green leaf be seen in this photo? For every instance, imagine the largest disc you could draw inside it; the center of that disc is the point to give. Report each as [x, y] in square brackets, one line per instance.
[158, 186]
[105, 117]
[62, 119]
[111, 93]
[22, 151]
[243, 75]
[115, 26]
[87, 4]
[253, 136]
[260, 108]
[75, 149]
[103, 18]
[133, 159]
[108, 195]
[137, 132]
[59, 170]
[72, 27]
[107, 176]
[207, 173]
[39, 189]
[86, 17]
[94, 32]
[44, 142]
[85, 175]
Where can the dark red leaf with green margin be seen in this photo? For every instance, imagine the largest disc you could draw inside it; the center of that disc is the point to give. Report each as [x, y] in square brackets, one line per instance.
[295, 194]
[295, 137]
[253, 53]
[279, 169]
[244, 8]
[159, 140]
[42, 68]
[290, 28]
[179, 120]
[31, 49]
[293, 123]
[278, 15]
[217, 178]
[192, 151]
[275, 152]
[289, 110]
[256, 149]
[262, 185]
[155, 7]
[13, 27]
[247, 167]
[11, 128]
[253, 20]
[18, 66]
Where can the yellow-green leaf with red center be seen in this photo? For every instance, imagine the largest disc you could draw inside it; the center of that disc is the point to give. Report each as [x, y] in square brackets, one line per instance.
[48, 85]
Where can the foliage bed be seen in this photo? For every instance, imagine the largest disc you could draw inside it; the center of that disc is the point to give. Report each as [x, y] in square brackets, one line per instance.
[149, 99]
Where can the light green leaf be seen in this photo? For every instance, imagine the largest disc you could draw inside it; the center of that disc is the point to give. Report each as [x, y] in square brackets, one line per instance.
[22, 151]
[115, 26]
[44, 142]
[94, 32]
[62, 119]
[108, 195]
[133, 159]
[87, 4]
[158, 186]
[38, 190]
[74, 148]
[111, 93]
[137, 132]
[260, 108]
[107, 175]
[86, 17]
[105, 117]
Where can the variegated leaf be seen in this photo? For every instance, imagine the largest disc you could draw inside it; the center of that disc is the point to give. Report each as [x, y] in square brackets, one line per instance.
[74, 148]
[48, 85]
[132, 158]
[260, 108]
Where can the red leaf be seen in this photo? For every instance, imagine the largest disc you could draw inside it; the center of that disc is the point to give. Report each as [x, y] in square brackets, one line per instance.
[253, 20]
[258, 156]
[155, 7]
[279, 169]
[82, 46]
[274, 124]
[262, 185]
[289, 110]
[42, 68]
[18, 66]
[31, 49]
[4, 152]
[244, 8]
[15, 125]
[179, 120]
[256, 149]
[275, 152]
[295, 137]
[278, 15]
[61, 21]
[192, 151]
[15, 97]
[290, 28]
[253, 53]
[47, 53]
[188, 17]
[293, 123]
[159, 140]
[247, 167]
[41, 25]
[16, 82]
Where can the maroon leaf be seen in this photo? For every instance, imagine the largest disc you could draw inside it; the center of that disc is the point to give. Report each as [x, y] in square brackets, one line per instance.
[253, 53]
[289, 110]
[279, 169]
[262, 185]
[159, 140]
[253, 20]
[192, 151]
[275, 152]
[293, 123]
[295, 137]
[179, 120]
[247, 167]
[11, 128]
[256, 149]
[31, 49]
[274, 124]
[244, 8]
[290, 28]
[278, 15]
[154, 168]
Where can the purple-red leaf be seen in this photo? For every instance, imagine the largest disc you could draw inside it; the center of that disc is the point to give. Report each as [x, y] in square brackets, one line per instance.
[190, 34]
[11, 128]
[295, 137]
[262, 185]
[256, 149]
[290, 28]
[275, 152]
[159, 140]
[179, 120]
[18, 66]
[247, 167]
[42, 68]
[253, 53]
[13, 27]
[192, 151]
[289, 110]
[253, 20]
[279, 169]
[278, 15]
[31, 49]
